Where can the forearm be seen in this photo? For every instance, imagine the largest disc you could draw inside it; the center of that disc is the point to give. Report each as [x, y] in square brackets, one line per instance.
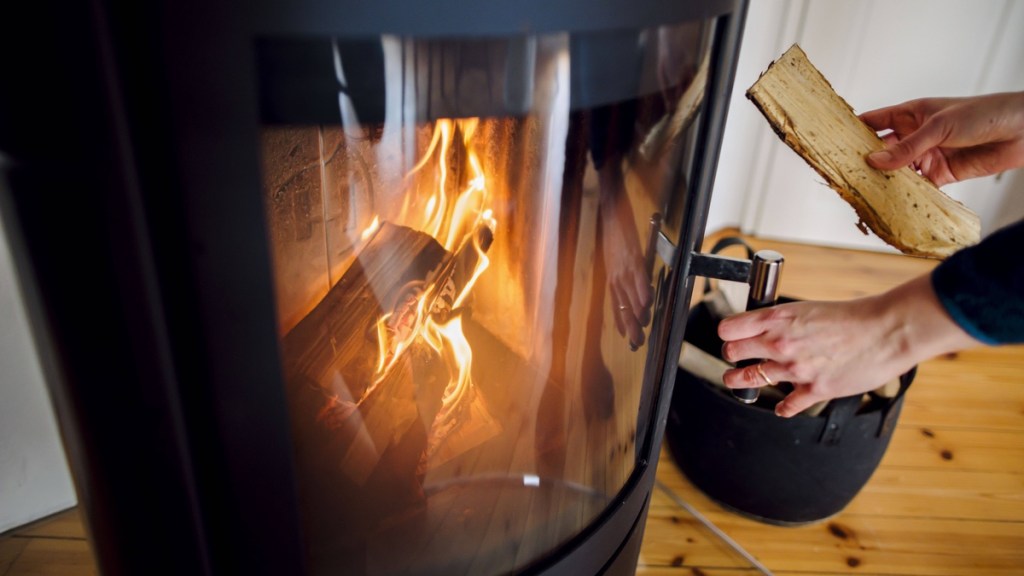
[920, 326]
[832, 349]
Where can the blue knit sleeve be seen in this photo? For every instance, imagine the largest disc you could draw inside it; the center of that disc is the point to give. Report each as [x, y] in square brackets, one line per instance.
[982, 287]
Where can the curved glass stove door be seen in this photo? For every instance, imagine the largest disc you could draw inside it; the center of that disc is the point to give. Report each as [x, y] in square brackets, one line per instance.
[467, 283]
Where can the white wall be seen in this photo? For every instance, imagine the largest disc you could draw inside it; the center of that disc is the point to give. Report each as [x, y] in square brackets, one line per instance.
[34, 477]
[769, 24]
[875, 53]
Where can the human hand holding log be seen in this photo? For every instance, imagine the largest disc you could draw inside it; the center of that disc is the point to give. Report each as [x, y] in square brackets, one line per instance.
[900, 206]
[951, 139]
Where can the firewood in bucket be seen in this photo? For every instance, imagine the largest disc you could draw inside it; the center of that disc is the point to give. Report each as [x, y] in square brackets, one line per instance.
[889, 390]
[901, 207]
[711, 368]
[718, 303]
[703, 365]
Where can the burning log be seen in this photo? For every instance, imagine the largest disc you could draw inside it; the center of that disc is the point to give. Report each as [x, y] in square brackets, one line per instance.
[357, 377]
[901, 207]
[335, 340]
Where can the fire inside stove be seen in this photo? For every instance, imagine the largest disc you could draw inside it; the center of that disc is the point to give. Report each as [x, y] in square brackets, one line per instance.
[467, 283]
[456, 227]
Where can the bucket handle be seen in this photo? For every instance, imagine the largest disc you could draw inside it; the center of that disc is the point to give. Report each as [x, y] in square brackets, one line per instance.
[722, 244]
[842, 410]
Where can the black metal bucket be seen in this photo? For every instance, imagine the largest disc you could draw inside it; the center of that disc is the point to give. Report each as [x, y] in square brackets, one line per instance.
[776, 470]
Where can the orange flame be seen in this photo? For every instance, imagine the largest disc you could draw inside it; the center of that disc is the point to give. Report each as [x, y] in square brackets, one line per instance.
[450, 336]
[370, 229]
[453, 219]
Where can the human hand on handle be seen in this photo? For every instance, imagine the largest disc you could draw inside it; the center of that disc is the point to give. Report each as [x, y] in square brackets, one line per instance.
[951, 139]
[833, 349]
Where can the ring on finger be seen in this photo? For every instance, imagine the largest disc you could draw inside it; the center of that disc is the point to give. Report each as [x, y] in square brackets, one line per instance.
[760, 371]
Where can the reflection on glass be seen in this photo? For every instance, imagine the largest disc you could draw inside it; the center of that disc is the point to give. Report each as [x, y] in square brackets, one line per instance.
[467, 286]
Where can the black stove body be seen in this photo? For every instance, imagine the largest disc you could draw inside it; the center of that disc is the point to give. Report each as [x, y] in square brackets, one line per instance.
[363, 288]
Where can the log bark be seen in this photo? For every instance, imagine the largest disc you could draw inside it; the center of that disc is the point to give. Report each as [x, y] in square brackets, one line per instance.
[330, 360]
[346, 414]
[338, 338]
[901, 207]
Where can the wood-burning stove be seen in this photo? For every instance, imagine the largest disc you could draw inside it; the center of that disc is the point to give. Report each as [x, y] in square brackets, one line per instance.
[366, 289]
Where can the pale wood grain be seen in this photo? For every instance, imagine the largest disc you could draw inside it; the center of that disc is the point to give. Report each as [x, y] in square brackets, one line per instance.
[54, 557]
[685, 570]
[901, 207]
[915, 493]
[882, 546]
[55, 545]
[961, 449]
[675, 538]
[10, 550]
[918, 493]
[885, 541]
[66, 524]
[981, 388]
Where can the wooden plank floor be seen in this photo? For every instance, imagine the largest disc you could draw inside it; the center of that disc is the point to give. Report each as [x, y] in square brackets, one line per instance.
[948, 498]
[53, 546]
